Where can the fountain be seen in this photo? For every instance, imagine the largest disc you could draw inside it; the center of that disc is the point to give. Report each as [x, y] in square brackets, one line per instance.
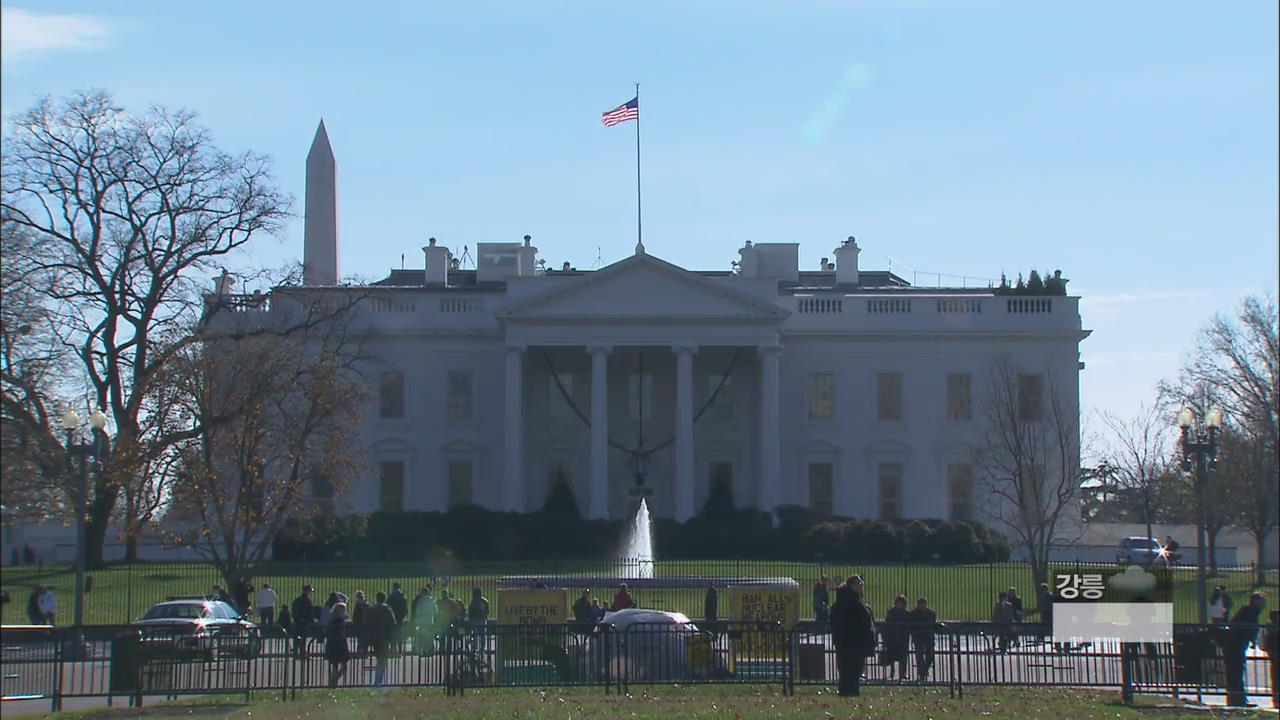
[636, 558]
[634, 565]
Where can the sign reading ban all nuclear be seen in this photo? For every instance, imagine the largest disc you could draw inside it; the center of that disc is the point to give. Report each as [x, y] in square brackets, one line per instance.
[530, 607]
[779, 604]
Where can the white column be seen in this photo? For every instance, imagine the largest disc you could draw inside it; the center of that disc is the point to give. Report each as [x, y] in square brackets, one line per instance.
[769, 428]
[684, 431]
[513, 435]
[598, 490]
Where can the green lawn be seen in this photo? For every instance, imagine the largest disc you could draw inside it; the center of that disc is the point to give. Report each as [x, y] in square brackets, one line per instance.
[964, 592]
[668, 702]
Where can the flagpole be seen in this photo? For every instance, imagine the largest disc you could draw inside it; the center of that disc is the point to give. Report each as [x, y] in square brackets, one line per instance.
[639, 234]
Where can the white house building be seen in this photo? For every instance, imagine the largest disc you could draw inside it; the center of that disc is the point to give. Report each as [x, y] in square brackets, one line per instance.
[837, 388]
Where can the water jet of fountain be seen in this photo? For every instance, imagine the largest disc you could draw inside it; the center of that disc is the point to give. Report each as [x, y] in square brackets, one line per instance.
[636, 558]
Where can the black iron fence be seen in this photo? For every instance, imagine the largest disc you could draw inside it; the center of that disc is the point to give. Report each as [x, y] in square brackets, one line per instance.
[127, 664]
[122, 593]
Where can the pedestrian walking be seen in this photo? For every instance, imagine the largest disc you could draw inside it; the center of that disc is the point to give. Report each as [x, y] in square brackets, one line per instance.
[49, 606]
[895, 633]
[854, 634]
[1002, 621]
[923, 621]
[821, 601]
[304, 614]
[1234, 641]
[711, 608]
[381, 623]
[266, 603]
[622, 599]
[335, 643]
[33, 606]
[1219, 606]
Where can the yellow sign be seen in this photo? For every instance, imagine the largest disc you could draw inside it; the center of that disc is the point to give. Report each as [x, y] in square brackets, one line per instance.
[771, 603]
[533, 607]
[529, 607]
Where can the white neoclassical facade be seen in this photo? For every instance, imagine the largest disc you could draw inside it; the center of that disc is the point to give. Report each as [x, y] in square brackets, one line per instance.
[836, 388]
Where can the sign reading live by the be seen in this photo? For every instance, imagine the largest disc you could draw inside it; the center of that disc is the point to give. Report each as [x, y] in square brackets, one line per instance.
[779, 604]
[533, 607]
[530, 607]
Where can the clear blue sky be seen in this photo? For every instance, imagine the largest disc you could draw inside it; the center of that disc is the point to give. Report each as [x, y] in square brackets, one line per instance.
[1131, 144]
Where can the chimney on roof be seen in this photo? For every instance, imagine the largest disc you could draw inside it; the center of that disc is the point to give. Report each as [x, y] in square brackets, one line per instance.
[439, 260]
[847, 263]
[826, 265]
[750, 262]
[566, 266]
[528, 258]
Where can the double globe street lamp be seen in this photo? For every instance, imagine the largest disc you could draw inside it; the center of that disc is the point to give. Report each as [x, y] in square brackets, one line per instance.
[1199, 453]
[89, 451]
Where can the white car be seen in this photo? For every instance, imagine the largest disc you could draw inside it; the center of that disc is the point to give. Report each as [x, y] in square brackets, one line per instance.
[648, 645]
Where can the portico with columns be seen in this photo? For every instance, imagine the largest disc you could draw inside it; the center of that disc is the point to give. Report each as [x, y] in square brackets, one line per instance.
[645, 331]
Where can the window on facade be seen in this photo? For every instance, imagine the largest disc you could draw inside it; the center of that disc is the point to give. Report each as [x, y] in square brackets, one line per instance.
[322, 493]
[960, 491]
[820, 497]
[640, 396]
[391, 487]
[890, 475]
[391, 395]
[720, 489]
[1031, 397]
[459, 394]
[459, 483]
[722, 406]
[821, 396]
[889, 396]
[959, 400]
[557, 404]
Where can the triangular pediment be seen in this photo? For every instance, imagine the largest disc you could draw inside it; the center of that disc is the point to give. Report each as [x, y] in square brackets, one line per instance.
[643, 286]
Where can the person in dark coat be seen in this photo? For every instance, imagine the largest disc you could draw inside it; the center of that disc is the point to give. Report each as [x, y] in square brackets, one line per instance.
[1234, 641]
[923, 621]
[304, 613]
[1002, 622]
[398, 603]
[33, 606]
[335, 643]
[854, 634]
[380, 620]
[895, 635]
[582, 612]
[821, 601]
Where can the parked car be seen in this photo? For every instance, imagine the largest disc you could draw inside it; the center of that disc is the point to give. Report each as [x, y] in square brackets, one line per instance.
[1139, 550]
[658, 649]
[197, 627]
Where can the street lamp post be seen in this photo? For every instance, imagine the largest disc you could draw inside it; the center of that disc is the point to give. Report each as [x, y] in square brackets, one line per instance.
[1200, 452]
[86, 452]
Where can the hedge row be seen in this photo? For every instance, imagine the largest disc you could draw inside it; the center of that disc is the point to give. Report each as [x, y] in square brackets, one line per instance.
[474, 533]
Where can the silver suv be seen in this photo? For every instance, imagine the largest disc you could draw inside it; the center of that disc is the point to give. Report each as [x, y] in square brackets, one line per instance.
[1140, 550]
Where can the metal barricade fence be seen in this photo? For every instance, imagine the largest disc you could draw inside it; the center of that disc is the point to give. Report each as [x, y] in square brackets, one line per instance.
[530, 655]
[920, 655]
[128, 663]
[1202, 660]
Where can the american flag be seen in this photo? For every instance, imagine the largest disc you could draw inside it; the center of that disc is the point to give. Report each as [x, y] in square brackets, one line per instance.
[629, 110]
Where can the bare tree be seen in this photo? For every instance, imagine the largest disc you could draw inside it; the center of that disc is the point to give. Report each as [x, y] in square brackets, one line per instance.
[1139, 458]
[1235, 367]
[277, 396]
[1029, 461]
[31, 362]
[125, 213]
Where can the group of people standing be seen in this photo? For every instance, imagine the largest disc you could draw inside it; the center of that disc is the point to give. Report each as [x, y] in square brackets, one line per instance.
[379, 627]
